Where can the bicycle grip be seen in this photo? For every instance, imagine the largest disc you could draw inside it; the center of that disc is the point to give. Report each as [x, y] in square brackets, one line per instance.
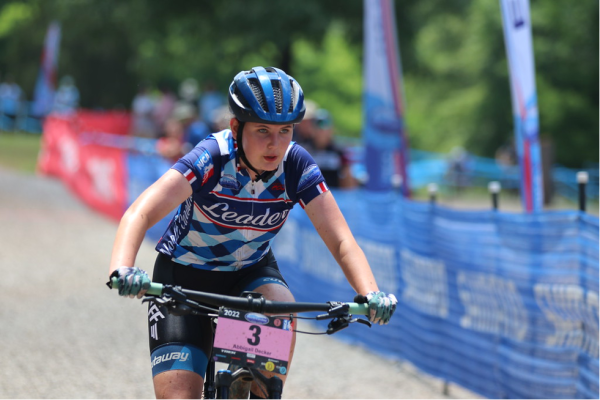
[359, 309]
[154, 290]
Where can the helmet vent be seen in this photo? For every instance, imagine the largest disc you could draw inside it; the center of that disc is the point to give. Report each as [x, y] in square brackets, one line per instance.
[291, 110]
[258, 93]
[278, 96]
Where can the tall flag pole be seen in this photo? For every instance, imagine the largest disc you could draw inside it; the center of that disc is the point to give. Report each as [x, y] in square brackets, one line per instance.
[43, 95]
[519, 49]
[384, 132]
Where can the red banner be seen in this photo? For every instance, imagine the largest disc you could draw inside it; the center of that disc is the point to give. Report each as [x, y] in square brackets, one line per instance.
[96, 174]
[114, 122]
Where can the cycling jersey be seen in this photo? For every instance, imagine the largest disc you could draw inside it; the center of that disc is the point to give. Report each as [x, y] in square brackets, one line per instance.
[229, 220]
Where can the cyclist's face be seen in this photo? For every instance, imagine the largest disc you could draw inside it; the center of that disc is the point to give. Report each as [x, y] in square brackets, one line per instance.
[264, 144]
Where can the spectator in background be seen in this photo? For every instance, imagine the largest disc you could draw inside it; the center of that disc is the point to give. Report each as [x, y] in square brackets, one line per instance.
[164, 105]
[142, 107]
[10, 98]
[506, 156]
[331, 158]
[170, 145]
[182, 131]
[188, 91]
[304, 131]
[458, 173]
[221, 119]
[508, 162]
[194, 129]
[209, 104]
[66, 98]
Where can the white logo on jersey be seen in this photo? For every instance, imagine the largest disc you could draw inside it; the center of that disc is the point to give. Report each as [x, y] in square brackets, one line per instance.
[219, 214]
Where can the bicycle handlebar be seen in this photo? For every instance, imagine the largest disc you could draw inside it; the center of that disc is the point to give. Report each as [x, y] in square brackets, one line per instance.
[251, 304]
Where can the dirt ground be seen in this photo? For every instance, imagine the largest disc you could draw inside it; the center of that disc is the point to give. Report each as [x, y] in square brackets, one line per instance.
[65, 335]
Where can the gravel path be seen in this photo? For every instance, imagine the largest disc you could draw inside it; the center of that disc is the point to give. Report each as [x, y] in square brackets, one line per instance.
[64, 335]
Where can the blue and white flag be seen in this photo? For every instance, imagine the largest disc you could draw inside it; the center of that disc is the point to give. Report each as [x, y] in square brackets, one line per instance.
[519, 49]
[45, 86]
[384, 133]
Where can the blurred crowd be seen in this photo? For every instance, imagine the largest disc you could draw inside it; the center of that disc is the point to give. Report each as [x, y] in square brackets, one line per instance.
[316, 134]
[18, 113]
[10, 102]
[179, 120]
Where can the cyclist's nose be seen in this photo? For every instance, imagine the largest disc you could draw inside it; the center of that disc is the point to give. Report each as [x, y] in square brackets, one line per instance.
[273, 140]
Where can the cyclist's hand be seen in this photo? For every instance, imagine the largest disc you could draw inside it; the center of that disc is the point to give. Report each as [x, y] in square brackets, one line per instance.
[133, 282]
[381, 307]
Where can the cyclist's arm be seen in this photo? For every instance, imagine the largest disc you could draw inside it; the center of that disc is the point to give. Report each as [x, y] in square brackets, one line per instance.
[151, 206]
[331, 225]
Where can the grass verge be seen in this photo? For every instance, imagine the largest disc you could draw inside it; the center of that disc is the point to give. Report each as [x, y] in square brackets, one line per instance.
[19, 151]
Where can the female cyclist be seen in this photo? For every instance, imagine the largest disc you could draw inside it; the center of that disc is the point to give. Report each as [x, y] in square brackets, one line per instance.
[233, 191]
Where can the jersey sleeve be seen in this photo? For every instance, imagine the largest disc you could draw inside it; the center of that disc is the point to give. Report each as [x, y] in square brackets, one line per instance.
[198, 166]
[306, 181]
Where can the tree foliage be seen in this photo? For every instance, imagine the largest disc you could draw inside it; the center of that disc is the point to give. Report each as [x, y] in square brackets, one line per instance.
[454, 63]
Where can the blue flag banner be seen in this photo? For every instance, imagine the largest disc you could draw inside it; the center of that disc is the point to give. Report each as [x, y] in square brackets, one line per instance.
[43, 95]
[519, 49]
[384, 136]
[503, 304]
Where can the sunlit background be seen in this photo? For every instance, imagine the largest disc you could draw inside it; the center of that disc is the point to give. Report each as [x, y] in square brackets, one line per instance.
[452, 53]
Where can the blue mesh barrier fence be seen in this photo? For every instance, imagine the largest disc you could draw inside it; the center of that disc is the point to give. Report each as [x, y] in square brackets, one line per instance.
[503, 304]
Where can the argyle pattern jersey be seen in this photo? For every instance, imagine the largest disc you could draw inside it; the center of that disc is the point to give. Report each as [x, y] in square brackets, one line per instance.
[229, 221]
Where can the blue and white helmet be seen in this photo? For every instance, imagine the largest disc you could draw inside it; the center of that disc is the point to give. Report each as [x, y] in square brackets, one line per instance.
[266, 95]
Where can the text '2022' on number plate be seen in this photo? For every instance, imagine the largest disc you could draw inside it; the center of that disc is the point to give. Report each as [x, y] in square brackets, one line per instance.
[254, 340]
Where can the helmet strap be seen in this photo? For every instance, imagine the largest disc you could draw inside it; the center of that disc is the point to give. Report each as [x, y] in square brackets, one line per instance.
[266, 175]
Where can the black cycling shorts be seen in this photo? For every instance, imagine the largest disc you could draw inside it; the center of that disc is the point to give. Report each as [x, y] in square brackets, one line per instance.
[185, 342]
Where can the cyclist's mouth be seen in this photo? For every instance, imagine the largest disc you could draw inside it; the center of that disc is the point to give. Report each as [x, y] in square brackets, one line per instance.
[270, 158]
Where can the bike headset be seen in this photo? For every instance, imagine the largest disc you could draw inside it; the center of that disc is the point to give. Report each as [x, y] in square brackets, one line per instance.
[266, 95]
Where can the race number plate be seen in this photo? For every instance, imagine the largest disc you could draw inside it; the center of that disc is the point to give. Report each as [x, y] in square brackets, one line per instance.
[254, 340]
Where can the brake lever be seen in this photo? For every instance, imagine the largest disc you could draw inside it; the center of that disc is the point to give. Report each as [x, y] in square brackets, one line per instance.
[362, 321]
[340, 323]
[337, 325]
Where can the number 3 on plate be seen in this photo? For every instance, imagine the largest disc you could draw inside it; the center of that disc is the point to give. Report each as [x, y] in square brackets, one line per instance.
[255, 340]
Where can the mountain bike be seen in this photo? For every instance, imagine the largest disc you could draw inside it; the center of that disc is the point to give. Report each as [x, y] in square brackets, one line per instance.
[244, 337]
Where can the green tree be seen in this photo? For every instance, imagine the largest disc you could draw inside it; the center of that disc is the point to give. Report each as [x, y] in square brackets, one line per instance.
[460, 94]
[453, 58]
[331, 72]
[566, 44]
